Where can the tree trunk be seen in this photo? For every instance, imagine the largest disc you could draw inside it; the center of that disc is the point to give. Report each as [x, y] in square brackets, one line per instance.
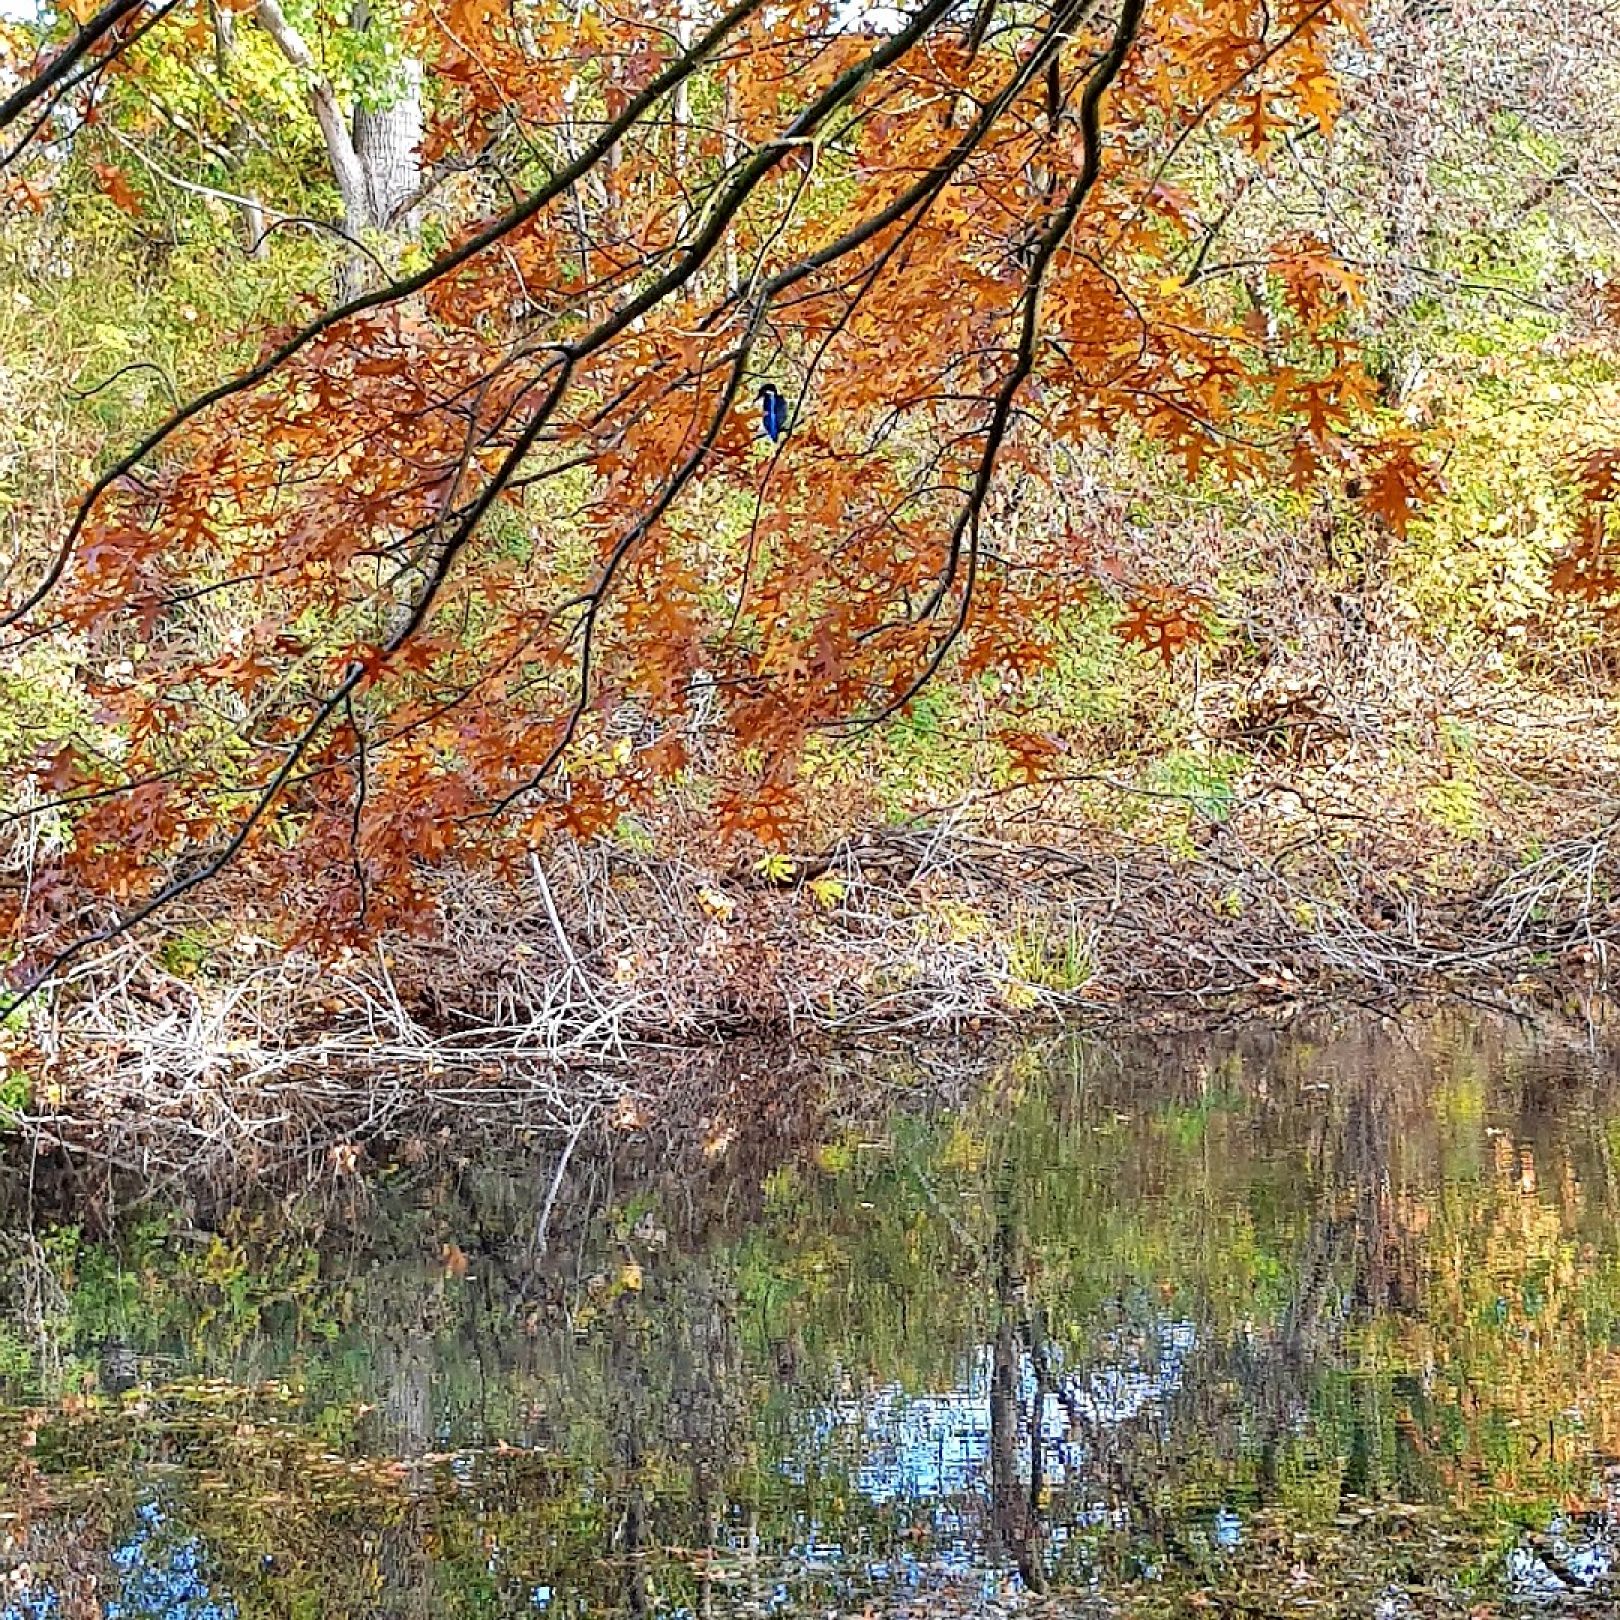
[375, 159]
[388, 144]
[1412, 97]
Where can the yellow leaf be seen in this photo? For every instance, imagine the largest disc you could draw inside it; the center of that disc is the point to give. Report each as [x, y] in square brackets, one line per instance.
[828, 890]
[630, 1277]
[775, 867]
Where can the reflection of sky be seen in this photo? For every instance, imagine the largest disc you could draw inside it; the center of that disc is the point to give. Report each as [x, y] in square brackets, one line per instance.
[1584, 1556]
[929, 1446]
[161, 1577]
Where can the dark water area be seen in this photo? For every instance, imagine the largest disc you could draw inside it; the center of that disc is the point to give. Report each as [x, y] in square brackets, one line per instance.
[1317, 1323]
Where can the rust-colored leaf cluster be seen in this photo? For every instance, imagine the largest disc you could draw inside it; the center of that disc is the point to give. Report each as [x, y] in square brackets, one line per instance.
[1589, 571]
[1165, 621]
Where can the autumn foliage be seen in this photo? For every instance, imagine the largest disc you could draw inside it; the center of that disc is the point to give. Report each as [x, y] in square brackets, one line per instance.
[495, 549]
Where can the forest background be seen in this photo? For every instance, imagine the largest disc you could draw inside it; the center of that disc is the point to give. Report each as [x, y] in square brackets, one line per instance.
[1183, 578]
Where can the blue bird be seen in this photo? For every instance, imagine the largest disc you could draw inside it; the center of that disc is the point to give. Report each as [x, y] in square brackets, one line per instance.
[773, 412]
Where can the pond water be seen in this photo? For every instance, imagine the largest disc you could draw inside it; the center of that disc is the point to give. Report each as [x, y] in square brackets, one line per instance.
[1308, 1323]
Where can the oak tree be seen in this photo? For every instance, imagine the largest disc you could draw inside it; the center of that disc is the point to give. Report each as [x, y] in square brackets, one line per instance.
[488, 541]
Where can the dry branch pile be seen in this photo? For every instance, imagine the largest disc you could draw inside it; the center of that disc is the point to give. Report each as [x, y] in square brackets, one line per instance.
[579, 995]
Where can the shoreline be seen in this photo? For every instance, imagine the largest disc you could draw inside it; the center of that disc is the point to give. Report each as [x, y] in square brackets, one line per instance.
[535, 1008]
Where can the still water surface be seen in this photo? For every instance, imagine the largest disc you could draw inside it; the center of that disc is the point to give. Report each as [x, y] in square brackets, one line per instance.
[1280, 1325]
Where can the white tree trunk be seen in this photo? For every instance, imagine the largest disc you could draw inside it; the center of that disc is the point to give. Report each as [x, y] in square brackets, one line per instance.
[388, 143]
[375, 160]
[346, 170]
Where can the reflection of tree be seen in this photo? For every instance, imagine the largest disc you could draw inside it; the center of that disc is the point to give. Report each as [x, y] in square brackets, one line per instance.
[404, 1372]
[1016, 1498]
[1386, 1275]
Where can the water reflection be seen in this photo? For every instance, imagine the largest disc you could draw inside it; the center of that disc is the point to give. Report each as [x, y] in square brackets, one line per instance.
[153, 1573]
[926, 1446]
[1266, 1325]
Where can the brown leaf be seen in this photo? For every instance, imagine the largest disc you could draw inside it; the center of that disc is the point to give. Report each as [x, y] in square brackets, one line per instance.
[115, 183]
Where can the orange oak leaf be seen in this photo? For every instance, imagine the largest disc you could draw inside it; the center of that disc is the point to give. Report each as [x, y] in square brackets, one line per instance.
[1164, 621]
[115, 183]
[1398, 485]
